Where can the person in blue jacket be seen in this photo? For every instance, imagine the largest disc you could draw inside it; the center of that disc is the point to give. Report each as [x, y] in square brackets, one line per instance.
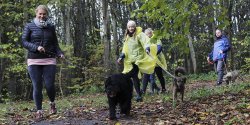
[219, 54]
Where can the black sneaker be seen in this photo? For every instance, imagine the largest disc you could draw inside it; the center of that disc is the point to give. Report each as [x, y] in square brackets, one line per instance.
[157, 90]
[138, 99]
[163, 91]
[218, 83]
[143, 92]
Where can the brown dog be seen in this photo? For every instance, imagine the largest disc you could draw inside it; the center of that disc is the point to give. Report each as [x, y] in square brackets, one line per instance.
[179, 83]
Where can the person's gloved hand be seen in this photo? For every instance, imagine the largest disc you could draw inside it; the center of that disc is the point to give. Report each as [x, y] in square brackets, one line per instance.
[159, 49]
[148, 50]
[121, 57]
[40, 49]
[61, 56]
[119, 60]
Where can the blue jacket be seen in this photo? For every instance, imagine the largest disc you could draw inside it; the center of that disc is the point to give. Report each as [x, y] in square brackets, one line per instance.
[34, 36]
[220, 44]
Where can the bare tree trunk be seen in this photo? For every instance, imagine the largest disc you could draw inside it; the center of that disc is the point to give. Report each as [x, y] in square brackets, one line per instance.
[214, 21]
[80, 35]
[213, 14]
[28, 92]
[105, 35]
[189, 66]
[25, 14]
[28, 88]
[12, 86]
[79, 30]
[115, 41]
[230, 32]
[115, 34]
[67, 26]
[95, 20]
[192, 53]
[66, 10]
[1, 69]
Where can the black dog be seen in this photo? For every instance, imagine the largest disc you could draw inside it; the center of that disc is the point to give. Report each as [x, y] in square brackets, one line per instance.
[179, 83]
[119, 90]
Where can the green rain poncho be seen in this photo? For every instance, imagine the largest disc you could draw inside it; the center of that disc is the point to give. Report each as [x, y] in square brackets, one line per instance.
[134, 50]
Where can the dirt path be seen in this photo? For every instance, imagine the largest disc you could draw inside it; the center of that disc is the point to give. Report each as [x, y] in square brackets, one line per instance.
[229, 108]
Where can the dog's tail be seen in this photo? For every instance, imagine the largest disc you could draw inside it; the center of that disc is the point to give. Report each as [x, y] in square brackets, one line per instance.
[180, 70]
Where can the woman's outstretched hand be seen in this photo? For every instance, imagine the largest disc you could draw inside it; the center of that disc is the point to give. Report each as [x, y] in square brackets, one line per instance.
[119, 60]
[61, 56]
[40, 49]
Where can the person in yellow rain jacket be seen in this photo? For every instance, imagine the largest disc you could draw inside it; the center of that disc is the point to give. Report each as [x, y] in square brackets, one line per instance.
[158, 69]
[134, 55]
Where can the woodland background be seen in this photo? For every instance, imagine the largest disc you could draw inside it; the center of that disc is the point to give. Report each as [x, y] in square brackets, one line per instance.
[91, 34]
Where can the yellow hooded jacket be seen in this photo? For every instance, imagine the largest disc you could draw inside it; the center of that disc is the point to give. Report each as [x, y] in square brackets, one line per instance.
[161, 61]
[134, 50]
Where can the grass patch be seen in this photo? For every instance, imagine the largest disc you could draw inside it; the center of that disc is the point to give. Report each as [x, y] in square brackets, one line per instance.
[235, 120]
[192, 78]
[148, 98]
[206, 92]
[243, 104]
[96, 101]
[203, 76]
[85, 90]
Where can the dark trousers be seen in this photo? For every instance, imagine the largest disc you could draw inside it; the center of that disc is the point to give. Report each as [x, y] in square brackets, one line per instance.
[158, 71]
[149, 78]
[134, 75]
[38, 74]
[220, 64]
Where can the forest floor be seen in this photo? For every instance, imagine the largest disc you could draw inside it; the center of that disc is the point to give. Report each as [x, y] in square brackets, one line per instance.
[204, 103]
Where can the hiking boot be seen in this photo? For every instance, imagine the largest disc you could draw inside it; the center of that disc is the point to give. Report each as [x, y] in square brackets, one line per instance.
[138, 99]
[218, 83]
[143, 91]
[39, 115]
[163, 91]
[52, 108]
[151, 93]
[157, 89]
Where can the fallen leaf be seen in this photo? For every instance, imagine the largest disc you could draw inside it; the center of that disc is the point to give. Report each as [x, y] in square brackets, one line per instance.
[117, 123]
[202, 118]
[246, 115]
[223, 114]
[161, 122]
[248, 107]
[202, 113]
[159, 101]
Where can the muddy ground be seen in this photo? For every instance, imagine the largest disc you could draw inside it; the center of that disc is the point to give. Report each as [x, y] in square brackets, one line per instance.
[228, 108]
